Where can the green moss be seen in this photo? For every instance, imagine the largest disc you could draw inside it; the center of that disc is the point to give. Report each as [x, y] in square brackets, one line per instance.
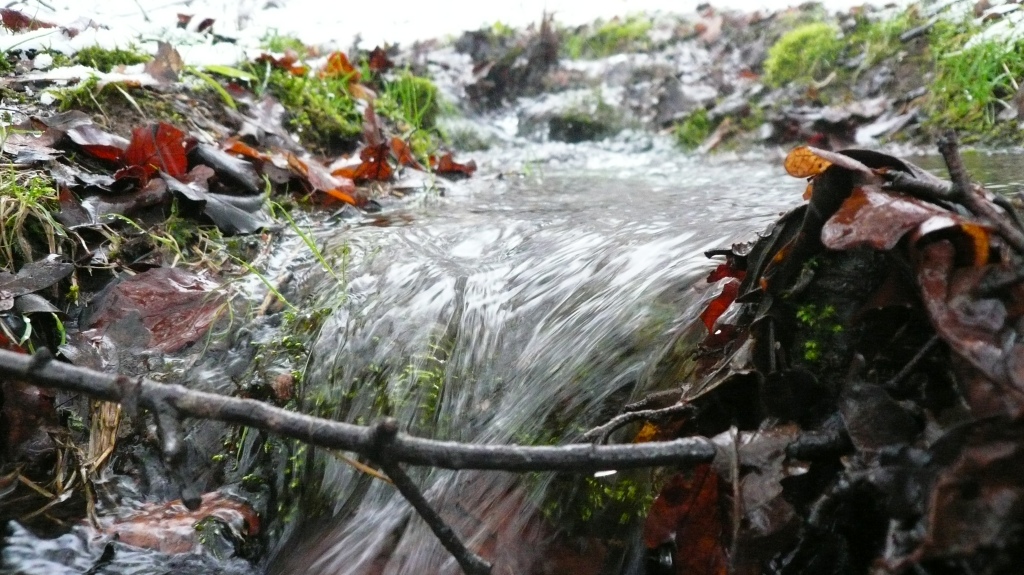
[818, 325]
[106, 60]
[972, 84]
[275, 42]
[803, 54]
[879, 39]
[606, 38]
[692, 132]
[410, 100]
[320, 110]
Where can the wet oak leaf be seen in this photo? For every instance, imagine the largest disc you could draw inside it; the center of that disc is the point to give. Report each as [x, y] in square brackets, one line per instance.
[402, 152]
[171, 527]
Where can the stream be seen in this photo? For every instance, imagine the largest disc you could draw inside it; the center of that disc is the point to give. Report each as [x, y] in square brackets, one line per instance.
[524, 305]
[524, 308]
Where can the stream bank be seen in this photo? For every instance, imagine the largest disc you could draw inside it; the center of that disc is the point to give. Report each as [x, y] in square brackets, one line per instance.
[597, 258]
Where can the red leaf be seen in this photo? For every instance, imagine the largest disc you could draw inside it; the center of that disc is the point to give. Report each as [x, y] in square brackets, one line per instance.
[338, 66]
[158, 147]
[379, 61]
[98, 143]
[687, 511]
[17, 22]
[176, 306]
[725, 271]
[721, 303]
[446, 166]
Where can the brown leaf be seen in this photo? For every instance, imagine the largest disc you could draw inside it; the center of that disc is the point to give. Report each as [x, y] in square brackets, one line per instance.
[320, 180]
[15, 21]
[403, 154]
[177, 306]
[687, 511]
[167, 65]
[448, 167]
[379, 61]
[170, 527]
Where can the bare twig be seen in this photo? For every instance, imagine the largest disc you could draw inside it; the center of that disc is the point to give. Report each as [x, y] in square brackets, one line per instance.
[600, 433]
[177, 401]
[903, 373]
[384, 434]
[971, 196]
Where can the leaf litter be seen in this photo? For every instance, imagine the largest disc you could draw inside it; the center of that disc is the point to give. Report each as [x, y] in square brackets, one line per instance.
[867, 391]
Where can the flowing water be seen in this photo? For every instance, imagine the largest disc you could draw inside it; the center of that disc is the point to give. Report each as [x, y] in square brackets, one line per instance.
[520, 309]
[525, 305]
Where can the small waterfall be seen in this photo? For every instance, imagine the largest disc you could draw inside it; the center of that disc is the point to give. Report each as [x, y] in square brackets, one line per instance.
[513, 312]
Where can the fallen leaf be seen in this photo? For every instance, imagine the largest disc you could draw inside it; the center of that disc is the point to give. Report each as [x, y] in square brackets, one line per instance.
[158, 147]
[167, 65]
[171, 527]
[98, 143]
[719, 304]
[379, 61]
[802, 162]
[177, 306]
[687, 512]
[15, 21]
[448, 167]
[321, 180]
[338, 66]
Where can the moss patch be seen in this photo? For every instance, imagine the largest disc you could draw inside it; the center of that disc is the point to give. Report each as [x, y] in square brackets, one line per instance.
[106, 60]
[692, 131]
[603, 39]
[803, 54]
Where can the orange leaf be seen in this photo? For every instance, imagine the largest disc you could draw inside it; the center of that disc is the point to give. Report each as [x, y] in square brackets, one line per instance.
[403, 154]
[236, 146]
[338, 66]
[979, 238]
[373, 165]
[718, 305]
[446, 166]
[802, 162]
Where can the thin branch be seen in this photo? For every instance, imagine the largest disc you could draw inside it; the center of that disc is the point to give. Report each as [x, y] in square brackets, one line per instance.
[183, 402]
[600, 433]
[471, 563]
[971, 197]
